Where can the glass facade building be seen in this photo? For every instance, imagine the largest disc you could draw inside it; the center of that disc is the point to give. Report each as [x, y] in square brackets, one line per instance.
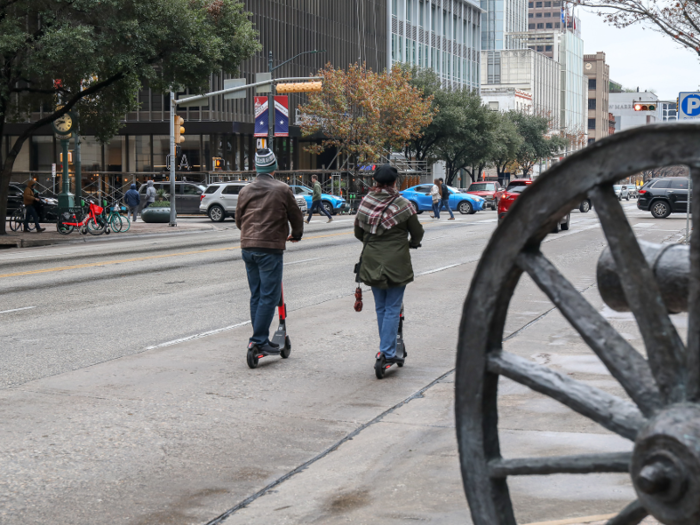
[502, 17]
[444, 35]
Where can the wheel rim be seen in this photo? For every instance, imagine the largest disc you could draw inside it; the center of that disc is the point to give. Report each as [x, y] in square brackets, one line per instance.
[672, 374]
[585, 206]
[464, 208]
[660, 208]
[215, 213]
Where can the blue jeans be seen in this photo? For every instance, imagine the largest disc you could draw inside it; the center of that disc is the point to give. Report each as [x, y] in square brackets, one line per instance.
[436, 209]
[388, 303]
[318, 206]
[265, 282]
[446, 204]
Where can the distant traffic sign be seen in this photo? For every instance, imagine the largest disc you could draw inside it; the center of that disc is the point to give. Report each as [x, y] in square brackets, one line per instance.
[689, 106]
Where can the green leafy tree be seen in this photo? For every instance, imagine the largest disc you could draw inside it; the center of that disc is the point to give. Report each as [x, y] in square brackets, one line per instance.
[93, 56]
[471, 134]
[536, 144]
[507, 142]
[422, 147]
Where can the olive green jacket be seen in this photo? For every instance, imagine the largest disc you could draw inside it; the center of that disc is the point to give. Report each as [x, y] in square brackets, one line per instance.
[317, 192]
[386, 261]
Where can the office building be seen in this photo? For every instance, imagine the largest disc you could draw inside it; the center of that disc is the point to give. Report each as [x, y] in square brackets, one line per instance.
[348, 32]
[667, 111]
[598, 74]
[523, 70]
[501, 18]
[444, 35]
[551, 15]
[504, 98]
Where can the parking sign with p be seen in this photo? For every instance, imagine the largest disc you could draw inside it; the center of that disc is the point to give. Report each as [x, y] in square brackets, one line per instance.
[689, 106]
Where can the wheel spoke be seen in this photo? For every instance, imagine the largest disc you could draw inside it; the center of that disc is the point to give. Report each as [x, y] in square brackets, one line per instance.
[580, 464]
[611, 412]
[694, 295]
[665, 349]
[624, 362]
[632, 514]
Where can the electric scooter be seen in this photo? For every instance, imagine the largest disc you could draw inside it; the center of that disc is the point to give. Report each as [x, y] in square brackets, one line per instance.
[280, 338]
[381, 365]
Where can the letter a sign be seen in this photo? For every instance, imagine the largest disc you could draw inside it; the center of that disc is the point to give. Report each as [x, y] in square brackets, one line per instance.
[689, 106]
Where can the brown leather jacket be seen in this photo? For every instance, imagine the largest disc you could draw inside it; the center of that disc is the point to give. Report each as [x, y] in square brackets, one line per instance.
[264, 209]
[28, 197]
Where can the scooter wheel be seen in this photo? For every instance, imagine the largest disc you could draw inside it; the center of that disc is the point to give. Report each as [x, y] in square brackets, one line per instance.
[380, 367]
[287, 348]
[252, 359]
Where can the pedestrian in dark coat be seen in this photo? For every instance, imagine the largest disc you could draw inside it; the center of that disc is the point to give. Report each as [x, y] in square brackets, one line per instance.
[132, 200]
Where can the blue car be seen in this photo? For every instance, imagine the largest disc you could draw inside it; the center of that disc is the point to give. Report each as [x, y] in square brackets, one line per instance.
[332, 203]
[464, 203]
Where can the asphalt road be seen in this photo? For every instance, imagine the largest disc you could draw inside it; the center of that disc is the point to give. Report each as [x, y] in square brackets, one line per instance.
[183, 432]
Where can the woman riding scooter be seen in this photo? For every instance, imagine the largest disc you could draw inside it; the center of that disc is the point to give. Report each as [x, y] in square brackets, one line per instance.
[385, 221]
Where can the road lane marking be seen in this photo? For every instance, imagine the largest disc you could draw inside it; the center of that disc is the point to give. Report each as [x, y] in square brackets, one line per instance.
[440, 269]
[196, 336]
[305, 260]
[576, 521]
[18, 309]
[147, 258]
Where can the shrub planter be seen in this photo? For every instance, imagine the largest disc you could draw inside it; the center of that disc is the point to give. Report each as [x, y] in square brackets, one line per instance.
[152, 214]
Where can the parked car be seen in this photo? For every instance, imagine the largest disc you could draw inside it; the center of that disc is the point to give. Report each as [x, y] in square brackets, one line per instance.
[664, 196]
[219, 200]
[513, 191]
[464, 203]
[491, 191]
[48, 211]
[585, 206]
[187, 195]
[622, 192]
[632, 191]
[332, 203]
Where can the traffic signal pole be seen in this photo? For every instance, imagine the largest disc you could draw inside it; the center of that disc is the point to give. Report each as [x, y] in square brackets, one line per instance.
[270, 107]
[173, 113]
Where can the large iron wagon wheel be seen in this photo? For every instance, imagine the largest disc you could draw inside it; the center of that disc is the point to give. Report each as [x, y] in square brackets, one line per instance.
[662, 415]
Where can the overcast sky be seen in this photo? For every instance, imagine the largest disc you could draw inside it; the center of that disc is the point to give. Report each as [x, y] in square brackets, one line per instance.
[641, 57]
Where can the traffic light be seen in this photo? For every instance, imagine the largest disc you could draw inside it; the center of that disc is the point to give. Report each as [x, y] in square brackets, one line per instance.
[179, 130]
[300, 87]
[645, 106]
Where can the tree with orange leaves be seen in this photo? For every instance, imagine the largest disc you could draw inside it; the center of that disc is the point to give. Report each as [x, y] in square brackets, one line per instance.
[364, 114]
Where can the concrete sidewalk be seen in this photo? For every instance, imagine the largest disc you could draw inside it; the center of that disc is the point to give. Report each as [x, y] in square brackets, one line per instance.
[184, 432]
[51, 236]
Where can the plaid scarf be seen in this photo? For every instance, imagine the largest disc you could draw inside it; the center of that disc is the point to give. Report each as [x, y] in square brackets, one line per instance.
[378, 204]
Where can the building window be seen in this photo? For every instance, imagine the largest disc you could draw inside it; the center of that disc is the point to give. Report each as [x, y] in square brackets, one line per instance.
[493, 106]
[538, 4]
[556, 25]
[548, 4]
[530, 15]
[548, 15]
[394, 8]
[540, 48]
[591, 103]
[531, 26]
[409, 11]
[538, 15]
[540, 26]
[591, 123]
[557, 3]
[591, 83]
[548, 48]
[531, 4]
[549, 25]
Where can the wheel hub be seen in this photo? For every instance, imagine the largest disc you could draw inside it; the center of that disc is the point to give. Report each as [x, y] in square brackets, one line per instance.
[666, 465]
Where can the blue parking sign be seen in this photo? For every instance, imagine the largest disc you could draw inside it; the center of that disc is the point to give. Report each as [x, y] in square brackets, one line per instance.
[689, 106]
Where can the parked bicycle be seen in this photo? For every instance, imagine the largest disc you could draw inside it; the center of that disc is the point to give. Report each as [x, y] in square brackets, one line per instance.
[118, 222]
[18, 217]
[76, 219]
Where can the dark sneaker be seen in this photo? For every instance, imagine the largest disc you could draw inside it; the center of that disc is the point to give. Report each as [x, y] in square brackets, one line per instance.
[267, 348]
[273, 345]
[39, 230]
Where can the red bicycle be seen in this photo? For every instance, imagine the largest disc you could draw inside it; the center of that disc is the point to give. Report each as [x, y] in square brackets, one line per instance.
[76, 218]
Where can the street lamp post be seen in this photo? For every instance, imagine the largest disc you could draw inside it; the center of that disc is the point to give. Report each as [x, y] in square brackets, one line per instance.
[271, 96]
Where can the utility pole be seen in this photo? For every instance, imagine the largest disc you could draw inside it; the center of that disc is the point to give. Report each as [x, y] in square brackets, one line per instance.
[270, 107]
[173, 211]
[78, 165]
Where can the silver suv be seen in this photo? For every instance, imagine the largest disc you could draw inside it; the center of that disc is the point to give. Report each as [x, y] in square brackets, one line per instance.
[219, 200]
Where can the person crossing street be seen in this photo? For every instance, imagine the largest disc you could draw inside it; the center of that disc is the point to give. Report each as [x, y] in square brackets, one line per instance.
[445, 199]
[264, 211]
[316, 202]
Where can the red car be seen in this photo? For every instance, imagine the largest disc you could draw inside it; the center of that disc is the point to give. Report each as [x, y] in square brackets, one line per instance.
[489, 190]
[513, 191]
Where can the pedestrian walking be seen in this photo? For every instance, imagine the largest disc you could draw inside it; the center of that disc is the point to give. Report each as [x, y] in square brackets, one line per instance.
[132, 200]
[316, 202]
[150, 195]
[445, 200]
[30, 212]
[264, 211]
[436, 194]
[388, 225]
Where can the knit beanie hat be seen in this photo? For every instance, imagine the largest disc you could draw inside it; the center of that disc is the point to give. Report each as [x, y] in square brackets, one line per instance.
[265, 161]
[386, 174]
